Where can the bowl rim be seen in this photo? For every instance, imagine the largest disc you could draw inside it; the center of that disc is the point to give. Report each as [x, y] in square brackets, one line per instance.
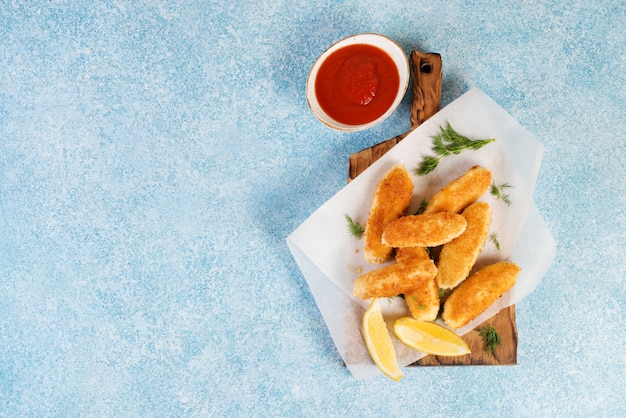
[358, 39]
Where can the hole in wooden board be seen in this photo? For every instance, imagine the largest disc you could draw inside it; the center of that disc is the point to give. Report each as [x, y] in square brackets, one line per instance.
[425, 67]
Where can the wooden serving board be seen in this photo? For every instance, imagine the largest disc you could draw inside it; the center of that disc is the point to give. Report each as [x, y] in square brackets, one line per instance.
[426, 90]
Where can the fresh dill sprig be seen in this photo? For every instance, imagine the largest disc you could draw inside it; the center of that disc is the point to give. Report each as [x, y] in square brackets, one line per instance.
[448, 142]
[422, 208]
[494, 239]
[491, 338]
[355, 228]
[427, 165]
[498, 192]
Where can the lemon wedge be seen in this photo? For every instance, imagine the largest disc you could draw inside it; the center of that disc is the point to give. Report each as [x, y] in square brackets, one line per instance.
[378, 342]
[429, 338]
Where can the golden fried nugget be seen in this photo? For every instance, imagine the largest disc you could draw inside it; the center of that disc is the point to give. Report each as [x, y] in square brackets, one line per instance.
[394, 279]
[458, 256]
[406, 253]
[461, 192]
[478, 292]
[423, 301]
[391, 200]
[428, 230]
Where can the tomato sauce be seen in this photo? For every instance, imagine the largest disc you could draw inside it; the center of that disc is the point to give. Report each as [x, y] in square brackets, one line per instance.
[357, 84]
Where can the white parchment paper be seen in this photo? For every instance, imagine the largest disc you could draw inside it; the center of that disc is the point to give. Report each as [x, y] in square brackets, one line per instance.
[330, 258]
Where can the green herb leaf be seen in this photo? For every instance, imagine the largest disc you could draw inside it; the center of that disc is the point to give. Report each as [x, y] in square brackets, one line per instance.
[448, 142]
[355, 228]
[494, 239]
[498, 192]
[422, 208]
[427, 165]
[491, 338]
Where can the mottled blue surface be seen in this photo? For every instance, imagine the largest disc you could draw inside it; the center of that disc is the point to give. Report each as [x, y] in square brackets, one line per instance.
[154, 156]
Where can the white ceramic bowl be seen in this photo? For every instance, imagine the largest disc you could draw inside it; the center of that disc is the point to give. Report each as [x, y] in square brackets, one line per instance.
[396, 53]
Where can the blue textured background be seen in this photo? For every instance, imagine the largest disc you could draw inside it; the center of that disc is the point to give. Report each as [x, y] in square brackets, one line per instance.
[154, 155]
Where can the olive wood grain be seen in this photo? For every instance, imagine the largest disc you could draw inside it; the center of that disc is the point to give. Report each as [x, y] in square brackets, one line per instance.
[426, 74]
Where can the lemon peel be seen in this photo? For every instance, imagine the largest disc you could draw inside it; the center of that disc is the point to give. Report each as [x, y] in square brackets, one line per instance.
[429, 337]
[379, 343]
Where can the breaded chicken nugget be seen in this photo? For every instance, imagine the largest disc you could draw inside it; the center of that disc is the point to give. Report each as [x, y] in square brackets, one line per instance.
[391, 200]
[406, 253]
[461, 192]
[423, 301]
[394, 279]
[458, 256]
[478, 292]
[428, 230]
